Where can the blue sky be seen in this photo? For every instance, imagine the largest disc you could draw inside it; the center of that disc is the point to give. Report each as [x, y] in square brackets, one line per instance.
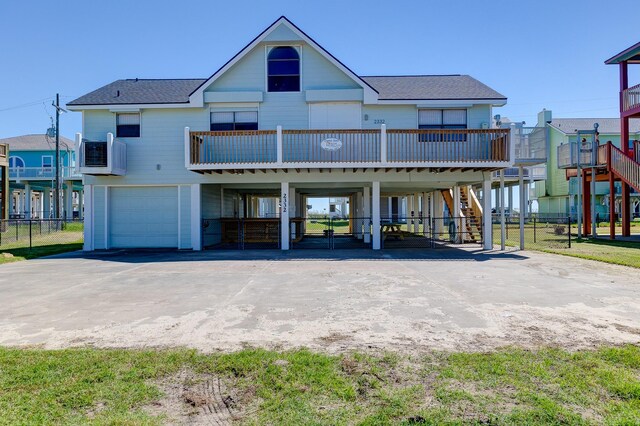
[538, 53]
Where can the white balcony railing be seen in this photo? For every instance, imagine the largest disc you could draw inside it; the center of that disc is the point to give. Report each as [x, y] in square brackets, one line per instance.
[530, 144]
[280, 148]
[42, 173]
[101, 157]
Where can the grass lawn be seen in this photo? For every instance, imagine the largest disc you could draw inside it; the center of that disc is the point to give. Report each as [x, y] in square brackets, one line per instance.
[45, 240]
[255, 386]
[625, 253]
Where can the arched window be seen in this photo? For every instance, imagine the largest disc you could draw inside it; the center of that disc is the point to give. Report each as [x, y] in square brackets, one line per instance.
[16, 162]
[283, 69]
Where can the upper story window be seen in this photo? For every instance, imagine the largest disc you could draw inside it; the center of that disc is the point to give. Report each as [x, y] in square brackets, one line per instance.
[47, 161]
[283, 69]
[445, 119]
[128, 125]
[235, 120]
[16, 162]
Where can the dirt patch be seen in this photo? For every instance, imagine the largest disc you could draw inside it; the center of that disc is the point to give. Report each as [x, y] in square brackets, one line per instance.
[200, 399]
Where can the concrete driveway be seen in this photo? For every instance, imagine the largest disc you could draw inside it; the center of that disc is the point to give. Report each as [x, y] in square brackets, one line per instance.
[403, 300]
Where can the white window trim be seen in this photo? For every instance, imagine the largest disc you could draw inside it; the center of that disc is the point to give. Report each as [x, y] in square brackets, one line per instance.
[51, 162]
[267, 48]
[115, 123]
[19, 158]
[441, 109]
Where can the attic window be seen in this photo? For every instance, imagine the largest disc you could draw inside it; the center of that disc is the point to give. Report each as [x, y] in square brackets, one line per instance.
[283, 69]
[128, 125]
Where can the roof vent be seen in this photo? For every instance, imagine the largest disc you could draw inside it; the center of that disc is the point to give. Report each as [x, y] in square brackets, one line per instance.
[117, 93]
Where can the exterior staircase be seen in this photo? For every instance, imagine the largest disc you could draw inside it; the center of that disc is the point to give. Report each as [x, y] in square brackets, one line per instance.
[623, 166]
[470, 212]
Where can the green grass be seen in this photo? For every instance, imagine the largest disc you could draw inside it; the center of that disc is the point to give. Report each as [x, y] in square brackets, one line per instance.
[25, 253]
[510, 386]
[45, 241]
[626, 253]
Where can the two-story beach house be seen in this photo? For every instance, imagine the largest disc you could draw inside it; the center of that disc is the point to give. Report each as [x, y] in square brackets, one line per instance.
[233, 158]
[32, 177]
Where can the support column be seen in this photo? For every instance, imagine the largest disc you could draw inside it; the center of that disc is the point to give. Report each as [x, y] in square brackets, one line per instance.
[81, 204]
[612, 206]
[196, 217]
[510, 199]
[359, 214]
[367, 213]
[88, 223]
[487, 235]
[594, 222]
[416, 213]
[522, 206]
[46, 203]
[68, 201]
[292, 211]
[503, 233]
[438, 212]
[27, 201]
[586, 210]
[425, 214]
[375, 216]
[284, 215]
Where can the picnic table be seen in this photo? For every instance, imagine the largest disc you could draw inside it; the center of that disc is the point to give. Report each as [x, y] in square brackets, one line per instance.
[392, 229]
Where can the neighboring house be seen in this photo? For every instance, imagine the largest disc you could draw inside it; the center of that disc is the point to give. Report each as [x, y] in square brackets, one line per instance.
[178, 163]
[32, 177]
[557, 195]
[4, 181]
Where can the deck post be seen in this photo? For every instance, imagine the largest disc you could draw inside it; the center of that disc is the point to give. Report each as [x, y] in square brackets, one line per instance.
[46, 203]
[80, 204]
[612, 196]
[512, 144]
[359, 201]
[416, 215]
[293, 208]
[196, 217]
[424, 215]
[375, 219]
[522, 206]
[383, 144]
[486, 212]
[68, 201]
[438, 212]
[367, 213]
[27, 200]
[88, 222]
[594, 222]
[187, 148]
[279, 145]
[501, 201]
[284, 215]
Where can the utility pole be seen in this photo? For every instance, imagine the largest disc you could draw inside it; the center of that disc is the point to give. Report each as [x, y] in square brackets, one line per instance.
[56, 205]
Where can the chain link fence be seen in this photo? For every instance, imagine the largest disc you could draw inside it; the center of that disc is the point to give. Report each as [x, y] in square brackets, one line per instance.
[33, 233]
[540, 232]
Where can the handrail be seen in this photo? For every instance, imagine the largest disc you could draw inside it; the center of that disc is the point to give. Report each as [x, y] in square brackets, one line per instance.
[636, 150]
[228, 147]
[624, 166]
[631, 98]
[41, 172]
[331, 146]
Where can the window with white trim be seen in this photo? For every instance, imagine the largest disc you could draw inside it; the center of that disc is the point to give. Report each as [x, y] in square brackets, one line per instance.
[15, 162]
[234, 120]
[283, 69]
[128, 125]
[47, 161]
[445, 119]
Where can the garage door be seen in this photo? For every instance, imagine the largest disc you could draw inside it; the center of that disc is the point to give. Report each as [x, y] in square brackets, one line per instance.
[143, 217]
[330, 115]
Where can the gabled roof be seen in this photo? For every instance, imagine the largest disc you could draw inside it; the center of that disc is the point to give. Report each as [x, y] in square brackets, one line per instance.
[606, 126]
[631, 55]
[36, 143]
[141, 91]
[369, 91]
[428, 87]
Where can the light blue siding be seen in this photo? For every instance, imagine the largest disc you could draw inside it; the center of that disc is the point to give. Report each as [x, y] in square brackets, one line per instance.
[97, 123]
[478, 115]
[289, 110]
[248, 74]
[394, 116]
[319, 73]
[337, 95]
[282, 33]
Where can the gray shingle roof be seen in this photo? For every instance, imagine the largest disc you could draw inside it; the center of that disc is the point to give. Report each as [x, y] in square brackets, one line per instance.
[141, 91]
[605, 125]
[436, 87]
[37, 143]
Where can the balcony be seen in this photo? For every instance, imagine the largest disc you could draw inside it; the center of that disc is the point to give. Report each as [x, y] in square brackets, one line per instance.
[101, 157]
[42, 173]
[631, 99]
[529, 173]
[296, 149]
[571, 153]
[4, 154]
[530, 145]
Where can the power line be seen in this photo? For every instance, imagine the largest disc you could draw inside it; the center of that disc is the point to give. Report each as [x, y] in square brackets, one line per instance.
[26, 105]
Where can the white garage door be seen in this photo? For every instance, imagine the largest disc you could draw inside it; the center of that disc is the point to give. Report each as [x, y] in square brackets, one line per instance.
[329, 115]
[143, 217]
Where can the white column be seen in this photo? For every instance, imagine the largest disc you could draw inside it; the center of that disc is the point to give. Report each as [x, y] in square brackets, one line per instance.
[375, 216]
[367, 213]
[416, 215]
[522, 205]
[279, 145]
[292, 210]
[46, 203]
[502, 223]
[80, 204]
[383, 144]
[438, 212]
[425, 214]
[88, 222]
[486, 213]
[510, 199]
[27, 201]
[284, 215]
[68, 201]
[196, 217]
[359, 214]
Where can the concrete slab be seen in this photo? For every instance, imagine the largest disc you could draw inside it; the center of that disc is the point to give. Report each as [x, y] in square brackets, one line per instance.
[445, 299]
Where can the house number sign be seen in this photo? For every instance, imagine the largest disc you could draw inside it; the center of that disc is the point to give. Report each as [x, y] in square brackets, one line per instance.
[331, 144]
[284, 203]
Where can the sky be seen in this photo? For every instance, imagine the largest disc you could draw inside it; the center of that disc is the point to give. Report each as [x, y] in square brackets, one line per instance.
[540, 54]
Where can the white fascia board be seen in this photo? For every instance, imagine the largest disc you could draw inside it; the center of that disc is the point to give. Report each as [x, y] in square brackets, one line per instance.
[370, 95]
[124, 110]
[138, 107]
[434, 164]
